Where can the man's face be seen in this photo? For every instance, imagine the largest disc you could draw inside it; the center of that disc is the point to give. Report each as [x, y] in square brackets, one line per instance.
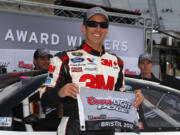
[95, 35]
[145, 66]
[42, 63]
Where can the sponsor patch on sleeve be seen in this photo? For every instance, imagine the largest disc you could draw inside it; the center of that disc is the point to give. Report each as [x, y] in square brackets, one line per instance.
[48, 81]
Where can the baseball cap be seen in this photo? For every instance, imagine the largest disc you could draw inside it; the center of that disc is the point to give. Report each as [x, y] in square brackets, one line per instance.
[41, 52]
[93, 11]
[144, 56]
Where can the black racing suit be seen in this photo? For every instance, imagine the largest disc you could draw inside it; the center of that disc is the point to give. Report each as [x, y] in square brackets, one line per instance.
[87, 68]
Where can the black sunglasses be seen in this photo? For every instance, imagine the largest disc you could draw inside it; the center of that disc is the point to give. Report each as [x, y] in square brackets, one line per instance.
[103, 25]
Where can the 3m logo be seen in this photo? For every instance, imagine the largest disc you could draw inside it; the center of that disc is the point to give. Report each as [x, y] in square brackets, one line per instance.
[106, 62]
[109, 63]
[51, 68]
[97, 81]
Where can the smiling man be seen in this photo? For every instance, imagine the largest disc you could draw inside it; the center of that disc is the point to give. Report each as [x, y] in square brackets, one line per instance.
[88, 66]
[41, 59]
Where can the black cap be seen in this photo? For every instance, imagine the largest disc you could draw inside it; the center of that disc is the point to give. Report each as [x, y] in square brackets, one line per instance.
[41, 52]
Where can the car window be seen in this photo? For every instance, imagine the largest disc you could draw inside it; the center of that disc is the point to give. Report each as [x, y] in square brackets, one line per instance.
[163, 109]
[160, 109]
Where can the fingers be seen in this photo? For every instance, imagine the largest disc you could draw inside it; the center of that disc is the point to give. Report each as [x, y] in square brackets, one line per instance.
[73, 91]
[139, 98]
[75, 87]
[70, 89]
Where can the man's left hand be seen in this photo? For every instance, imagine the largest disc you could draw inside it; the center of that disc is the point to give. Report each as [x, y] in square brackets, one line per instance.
[139, 98]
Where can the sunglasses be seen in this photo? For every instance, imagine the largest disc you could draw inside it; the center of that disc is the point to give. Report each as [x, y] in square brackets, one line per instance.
[94, 24]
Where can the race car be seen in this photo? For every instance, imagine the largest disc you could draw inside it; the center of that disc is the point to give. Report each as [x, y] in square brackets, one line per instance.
[159, 113]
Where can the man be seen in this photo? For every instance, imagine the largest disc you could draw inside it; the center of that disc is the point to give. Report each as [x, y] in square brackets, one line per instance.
[42, 59]
[145, 65]
[41, 62]
[87, 66]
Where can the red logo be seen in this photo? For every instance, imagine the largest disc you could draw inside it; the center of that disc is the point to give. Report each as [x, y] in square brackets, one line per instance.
[76, 69]
[97, 81]
[21, 64]
[128, 72]
[115, 63]
[91, 60]
[51, 68]
[93, 100]
[106, 62]
[140, 125]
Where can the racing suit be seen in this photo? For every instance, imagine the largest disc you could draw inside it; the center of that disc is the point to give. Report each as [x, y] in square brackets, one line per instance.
[87, 68]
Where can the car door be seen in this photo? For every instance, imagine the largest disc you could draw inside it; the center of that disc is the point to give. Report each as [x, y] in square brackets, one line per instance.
[160, 110]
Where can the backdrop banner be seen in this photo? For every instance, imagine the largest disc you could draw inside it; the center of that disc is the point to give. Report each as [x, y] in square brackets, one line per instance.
[22, 33]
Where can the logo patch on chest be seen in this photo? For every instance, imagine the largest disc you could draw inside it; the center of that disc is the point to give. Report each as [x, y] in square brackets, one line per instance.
[77, 54]
[91, 61]
[76, 69]
[77, 60]
[97, 81]
[109, 63]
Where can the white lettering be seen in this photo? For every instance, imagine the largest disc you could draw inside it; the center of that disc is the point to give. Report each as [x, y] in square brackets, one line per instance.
[124, 46]
[107, 44]
[80, 40]
[9, 35]
[33, 37]
[54, 39]
[116, 45]
[44, 38]
[21, 35]
[71, 40]
[111, 124]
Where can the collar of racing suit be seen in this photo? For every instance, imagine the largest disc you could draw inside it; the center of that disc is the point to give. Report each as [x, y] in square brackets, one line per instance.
[90, 50]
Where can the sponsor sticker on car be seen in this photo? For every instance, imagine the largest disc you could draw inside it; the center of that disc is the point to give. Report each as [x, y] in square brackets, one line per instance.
[5, 121]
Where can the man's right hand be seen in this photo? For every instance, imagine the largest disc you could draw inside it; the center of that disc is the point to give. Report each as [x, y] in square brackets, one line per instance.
[70, 89]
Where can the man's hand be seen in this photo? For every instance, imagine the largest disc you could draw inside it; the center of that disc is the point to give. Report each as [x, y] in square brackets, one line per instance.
[70, 89]
[139, 98]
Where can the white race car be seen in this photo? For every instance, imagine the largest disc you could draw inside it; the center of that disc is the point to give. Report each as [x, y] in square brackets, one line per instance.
[158, 115]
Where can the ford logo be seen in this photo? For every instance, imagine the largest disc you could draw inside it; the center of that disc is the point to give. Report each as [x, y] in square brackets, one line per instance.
[77, 60]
